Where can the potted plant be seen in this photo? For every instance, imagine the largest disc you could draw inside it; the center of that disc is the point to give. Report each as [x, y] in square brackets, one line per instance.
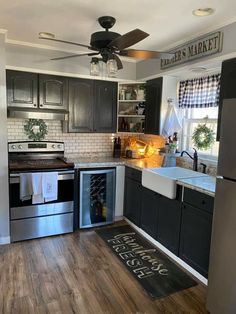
[172, 148]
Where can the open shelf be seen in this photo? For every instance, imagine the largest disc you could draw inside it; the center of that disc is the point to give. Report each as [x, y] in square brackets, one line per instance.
[131, 111]
[132, 100]
[131, 116]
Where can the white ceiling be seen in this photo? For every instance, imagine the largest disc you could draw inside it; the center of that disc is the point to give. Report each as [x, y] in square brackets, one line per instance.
[167, 22]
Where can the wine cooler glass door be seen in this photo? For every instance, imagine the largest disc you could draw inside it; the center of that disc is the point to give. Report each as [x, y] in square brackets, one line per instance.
[97, 197]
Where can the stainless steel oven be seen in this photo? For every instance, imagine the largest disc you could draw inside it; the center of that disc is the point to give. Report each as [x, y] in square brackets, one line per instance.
[27, 220]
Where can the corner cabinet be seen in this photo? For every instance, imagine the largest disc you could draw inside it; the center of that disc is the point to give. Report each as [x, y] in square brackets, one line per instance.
[92, 106]
[153, 106]
[169, 221]
[131, 107]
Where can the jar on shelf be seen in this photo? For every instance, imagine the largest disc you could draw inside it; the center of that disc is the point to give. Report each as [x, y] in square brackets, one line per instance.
[122, 94]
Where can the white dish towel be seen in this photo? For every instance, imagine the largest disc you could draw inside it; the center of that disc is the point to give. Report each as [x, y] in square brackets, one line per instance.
[37, 188]
[171, 123]
[50, 186]
[25, 186]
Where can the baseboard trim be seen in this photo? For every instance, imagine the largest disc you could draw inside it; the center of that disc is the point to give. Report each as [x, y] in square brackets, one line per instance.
[5, 240]
[170, 254]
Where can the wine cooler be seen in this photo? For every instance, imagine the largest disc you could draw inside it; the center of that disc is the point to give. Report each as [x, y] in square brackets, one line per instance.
[97, 197]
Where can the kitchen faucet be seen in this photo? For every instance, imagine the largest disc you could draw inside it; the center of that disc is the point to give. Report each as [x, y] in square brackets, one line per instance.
[194, 158]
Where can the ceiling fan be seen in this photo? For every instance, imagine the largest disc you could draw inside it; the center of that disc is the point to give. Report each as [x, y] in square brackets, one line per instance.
[111, 45]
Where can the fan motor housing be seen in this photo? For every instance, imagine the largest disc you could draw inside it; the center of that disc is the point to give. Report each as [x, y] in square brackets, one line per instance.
[101, 39]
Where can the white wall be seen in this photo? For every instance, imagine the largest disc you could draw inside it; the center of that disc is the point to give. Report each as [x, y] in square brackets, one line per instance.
[4, 203]
[38, 60]
[151, 68]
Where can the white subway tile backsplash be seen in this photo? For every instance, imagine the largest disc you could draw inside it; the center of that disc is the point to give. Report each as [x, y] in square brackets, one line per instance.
[75, 143]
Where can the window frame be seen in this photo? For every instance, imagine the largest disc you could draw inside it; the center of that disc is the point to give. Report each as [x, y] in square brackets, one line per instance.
[187, 119]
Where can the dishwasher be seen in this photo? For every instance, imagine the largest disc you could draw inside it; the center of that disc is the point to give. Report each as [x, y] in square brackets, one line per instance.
[96, 197]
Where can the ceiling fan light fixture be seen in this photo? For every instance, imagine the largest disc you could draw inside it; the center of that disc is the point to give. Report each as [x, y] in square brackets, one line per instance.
[94, 67]
[46, 35]
[112, 67]
[203, 12]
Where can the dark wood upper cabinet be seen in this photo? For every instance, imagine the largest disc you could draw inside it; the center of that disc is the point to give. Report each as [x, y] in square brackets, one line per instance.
[227, 86]
[105, 106]
[53, 92]
[81, 102]
[92, 106]
[153, 106]
[22, 89]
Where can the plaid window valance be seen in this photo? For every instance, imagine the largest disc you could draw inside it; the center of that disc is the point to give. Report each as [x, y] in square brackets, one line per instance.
[200, 92]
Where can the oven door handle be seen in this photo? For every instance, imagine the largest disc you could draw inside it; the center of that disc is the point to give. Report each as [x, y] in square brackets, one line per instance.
[66, 175]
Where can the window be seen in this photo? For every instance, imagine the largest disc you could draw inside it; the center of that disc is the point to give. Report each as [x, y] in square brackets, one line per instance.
[198, 103]
[191, 118]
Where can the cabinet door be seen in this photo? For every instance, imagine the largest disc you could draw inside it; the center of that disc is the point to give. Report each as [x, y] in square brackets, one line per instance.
[169, 219]
[132, 200]
[105, 106]
[227, 86]
[153, 106]
[80, 105]
[195, 238]
[22, 89]
[149, 212]
[53, 92]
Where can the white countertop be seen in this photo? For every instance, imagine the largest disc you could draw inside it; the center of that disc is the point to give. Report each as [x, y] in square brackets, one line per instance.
[206, 184]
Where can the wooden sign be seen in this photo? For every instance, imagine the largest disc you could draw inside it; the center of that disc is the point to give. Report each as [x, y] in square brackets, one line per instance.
[195, 49]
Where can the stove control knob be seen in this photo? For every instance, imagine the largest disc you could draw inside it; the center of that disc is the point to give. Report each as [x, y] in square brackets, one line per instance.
[13, 146]
[20, 146]
[59, 146]
[53, 146]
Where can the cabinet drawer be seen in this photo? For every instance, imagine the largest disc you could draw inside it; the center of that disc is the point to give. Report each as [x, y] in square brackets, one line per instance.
[133, 174]
[198, 199]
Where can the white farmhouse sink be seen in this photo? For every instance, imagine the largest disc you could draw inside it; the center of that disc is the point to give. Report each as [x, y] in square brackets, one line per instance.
[163, 180]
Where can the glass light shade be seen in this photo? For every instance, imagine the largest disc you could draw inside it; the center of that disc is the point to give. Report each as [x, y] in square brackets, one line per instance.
[94, 67]
[112, 68]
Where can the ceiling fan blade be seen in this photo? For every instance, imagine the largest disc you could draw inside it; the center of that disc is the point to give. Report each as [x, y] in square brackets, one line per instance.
[118, 61]
[67, 42]
[128, 39]
[145, 54]
[77, 55]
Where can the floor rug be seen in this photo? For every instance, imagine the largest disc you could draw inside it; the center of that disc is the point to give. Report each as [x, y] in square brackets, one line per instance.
[157, 274]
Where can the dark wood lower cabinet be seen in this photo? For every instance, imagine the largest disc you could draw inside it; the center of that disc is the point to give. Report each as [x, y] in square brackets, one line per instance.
[195, 238]
[169, 220]
[132, 200]
[182, 228]
[149, 212]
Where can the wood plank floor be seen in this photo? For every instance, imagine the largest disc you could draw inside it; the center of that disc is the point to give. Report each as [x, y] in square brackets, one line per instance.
[77, 273]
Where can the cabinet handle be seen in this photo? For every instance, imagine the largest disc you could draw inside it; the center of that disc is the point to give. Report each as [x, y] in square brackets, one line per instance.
[203, 202]
[41, 105]
[35, 105]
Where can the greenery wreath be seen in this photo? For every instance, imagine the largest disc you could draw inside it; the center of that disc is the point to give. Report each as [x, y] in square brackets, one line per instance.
[203, 137]
[36, 129]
